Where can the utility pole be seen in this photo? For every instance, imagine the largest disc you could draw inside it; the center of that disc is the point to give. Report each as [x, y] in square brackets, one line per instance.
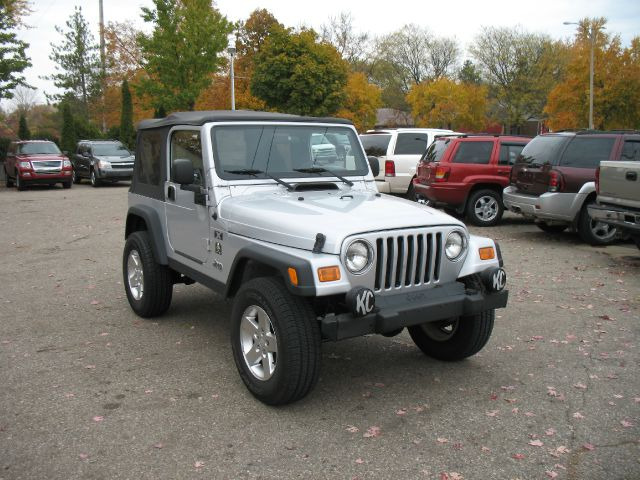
[103, 66]
[592, 37]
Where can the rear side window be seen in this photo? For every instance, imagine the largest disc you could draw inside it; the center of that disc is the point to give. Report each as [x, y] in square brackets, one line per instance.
[436, 150]
[148, 157]
[509, 153]
[375, 145]
[186, 144]
[543, 150]
[585, 152]
[473, 152]
[631, 150]
[411, 143]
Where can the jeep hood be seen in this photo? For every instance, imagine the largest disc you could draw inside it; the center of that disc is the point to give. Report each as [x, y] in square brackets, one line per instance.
[283, 218]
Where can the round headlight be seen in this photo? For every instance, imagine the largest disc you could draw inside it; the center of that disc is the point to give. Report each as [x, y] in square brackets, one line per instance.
[358, 256]
[455, 246]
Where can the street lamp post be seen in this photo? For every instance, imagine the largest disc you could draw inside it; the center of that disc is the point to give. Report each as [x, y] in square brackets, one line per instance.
[231, 50]
[592, 39]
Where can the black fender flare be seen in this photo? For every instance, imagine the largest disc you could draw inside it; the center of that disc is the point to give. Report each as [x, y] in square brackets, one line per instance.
[154, 228]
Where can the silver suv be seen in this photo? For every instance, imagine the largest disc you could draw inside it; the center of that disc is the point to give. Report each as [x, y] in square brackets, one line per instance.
[308, 251]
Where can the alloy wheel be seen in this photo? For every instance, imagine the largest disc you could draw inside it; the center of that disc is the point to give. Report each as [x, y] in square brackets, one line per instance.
[258, 342]
[486, 208]
[135, 275]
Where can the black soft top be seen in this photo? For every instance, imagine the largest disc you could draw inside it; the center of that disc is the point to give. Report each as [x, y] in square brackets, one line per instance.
[200, 118]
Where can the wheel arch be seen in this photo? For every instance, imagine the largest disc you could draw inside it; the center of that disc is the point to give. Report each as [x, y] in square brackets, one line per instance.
[146, 219]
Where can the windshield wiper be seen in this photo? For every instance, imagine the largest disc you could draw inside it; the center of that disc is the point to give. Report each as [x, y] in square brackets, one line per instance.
[254, 172]
[324, 170]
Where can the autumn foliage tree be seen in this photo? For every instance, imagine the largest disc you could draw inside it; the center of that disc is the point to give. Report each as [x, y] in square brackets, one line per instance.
[361, 103]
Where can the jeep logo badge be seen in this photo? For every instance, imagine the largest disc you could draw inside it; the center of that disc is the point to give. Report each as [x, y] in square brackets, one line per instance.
[361, 301]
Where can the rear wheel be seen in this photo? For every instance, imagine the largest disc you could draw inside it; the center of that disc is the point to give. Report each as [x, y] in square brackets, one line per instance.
[484, 208]
[454, 338]
[95, 181]
[593, 231]
[8, 180]
[411, 193]
[545, 227]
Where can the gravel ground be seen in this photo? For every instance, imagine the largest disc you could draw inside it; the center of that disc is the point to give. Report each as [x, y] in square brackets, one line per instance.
[89, 390]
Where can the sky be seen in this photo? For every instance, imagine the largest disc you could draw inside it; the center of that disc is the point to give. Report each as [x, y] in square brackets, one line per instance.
[463, 20]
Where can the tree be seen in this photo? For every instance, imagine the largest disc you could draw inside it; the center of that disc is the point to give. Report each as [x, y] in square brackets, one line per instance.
[469, 73]
[444, 103]
[23, 129]
[181, 53]
[68, 137]
[127, 131]
[340, 33]
[78, 63]
[123, 55]
[361, 103]
[443, 56]
[13, 57]
[295, 73]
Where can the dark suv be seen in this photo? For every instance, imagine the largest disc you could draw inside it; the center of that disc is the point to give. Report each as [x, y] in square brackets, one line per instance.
[553, 180]
[102, 160]
[467, 173]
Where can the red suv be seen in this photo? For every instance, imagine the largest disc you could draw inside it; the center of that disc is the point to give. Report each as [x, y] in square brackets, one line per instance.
[467, 173]
[32, 162]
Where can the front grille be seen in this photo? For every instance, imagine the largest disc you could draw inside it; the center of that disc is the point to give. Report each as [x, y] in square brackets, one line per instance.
[122, 165]
[408, 259]
[46, 166]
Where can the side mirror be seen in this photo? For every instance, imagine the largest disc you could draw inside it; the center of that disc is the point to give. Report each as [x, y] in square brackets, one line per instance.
[182, 171]
[375, 165]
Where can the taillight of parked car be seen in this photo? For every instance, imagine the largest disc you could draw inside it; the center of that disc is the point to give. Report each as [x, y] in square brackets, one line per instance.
[598, 180]
[389, 168]
[555, 181]
[442, 173]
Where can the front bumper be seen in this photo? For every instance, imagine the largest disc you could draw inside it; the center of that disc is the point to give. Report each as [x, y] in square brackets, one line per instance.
[446, 194]
[617, 216]
[549, 206]
[33, 177]
[115, 173]
[403, 310]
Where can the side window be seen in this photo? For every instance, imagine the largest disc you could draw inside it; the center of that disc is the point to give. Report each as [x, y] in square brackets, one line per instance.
[411, 143]
[631, 150]
[149, 156]
[509, 153]
[587, 152]
[186, 144]
[473, 152]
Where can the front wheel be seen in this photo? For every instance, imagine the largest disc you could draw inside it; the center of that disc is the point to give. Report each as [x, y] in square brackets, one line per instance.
[593, 231]
[75, 178]
[484, 208]
[20, 185]
[454, 338]
[95, 181]
[66, 185]
[275, 338]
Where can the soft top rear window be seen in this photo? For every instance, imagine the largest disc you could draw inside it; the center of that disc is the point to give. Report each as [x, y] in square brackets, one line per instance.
[375, 144]
[436, 150]
[542, 150]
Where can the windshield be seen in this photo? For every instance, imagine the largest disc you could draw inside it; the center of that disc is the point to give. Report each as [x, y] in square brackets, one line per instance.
[281, 150]
[542, 150]
[39, 148]
[110, 150]
[436, 150]
[376, 144]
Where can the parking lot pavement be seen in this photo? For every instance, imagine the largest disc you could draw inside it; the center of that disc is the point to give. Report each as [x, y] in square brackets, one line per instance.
[89, 390]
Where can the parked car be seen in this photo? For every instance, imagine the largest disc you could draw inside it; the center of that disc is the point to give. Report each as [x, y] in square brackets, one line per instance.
[467, 173]
[398, 151]
[553, 181]
[102, 161]
[618, 188]
[36, 162]
[235, 201]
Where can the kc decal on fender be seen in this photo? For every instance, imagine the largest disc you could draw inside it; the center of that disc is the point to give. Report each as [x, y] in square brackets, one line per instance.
[495, 280]
[361, 301]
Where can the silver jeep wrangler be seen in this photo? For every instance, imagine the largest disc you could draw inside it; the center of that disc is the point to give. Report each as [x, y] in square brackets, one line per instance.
[281, 213]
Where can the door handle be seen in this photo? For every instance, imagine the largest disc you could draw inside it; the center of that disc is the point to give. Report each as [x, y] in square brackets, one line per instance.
[631, 176]
[171, 193]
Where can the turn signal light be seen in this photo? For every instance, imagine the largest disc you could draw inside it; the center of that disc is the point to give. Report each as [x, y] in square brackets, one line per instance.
[487, 253]
[293, 276]
[329, 274]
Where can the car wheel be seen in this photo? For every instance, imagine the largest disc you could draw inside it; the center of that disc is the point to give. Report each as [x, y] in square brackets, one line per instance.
[275, 338]
[594, 232]
[149, 285]
[95, 181]
[66, 184]
[75, 178]
[484, 208]
[8, 180]
[636, 240]
[455, 338]
[20, 185]
[411, 193]
[545, 227]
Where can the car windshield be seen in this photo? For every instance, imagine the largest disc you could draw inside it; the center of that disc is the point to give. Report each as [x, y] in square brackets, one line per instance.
[110, 150]
[39, 148]
[282, 151]
[542, 150]
[436, 150]
[375, 144]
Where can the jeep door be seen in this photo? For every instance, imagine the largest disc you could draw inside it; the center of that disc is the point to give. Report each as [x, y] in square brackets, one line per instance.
[187, 215]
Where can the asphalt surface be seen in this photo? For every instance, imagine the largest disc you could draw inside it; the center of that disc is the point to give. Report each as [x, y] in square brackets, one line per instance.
[89, 390]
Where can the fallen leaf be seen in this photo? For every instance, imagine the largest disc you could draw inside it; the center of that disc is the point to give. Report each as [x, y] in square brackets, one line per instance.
[588, 446]
[372, 432]
[485, 449]
[198, 464]
[562, 449]
[378, 384]
[518, 456]
[158, 445]
[98, 418]
[90, 367]
[536, 443]
[83, 456]
[352, 429]
[442, 440]
[529, 414]
[550, 474]
[359, 461]
[402, 411]
[95, 302]
[581, 386]
[626, 423]
[550, 432]
[578, 415]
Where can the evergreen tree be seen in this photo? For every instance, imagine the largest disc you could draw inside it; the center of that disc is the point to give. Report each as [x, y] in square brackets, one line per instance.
[68, 137]
[127, 132]
[23, 129]
[13, 57]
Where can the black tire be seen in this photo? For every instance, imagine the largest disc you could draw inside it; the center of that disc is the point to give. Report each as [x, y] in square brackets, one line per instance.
[545, 227]
[8, 180]
[95, 181]
[467, 336]
[66, 185]
[411, 193]
[636, 240]
[484, 208]
[75, 178]
[20, 185]
[157, 280]
[295, 326]
[595, 233]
